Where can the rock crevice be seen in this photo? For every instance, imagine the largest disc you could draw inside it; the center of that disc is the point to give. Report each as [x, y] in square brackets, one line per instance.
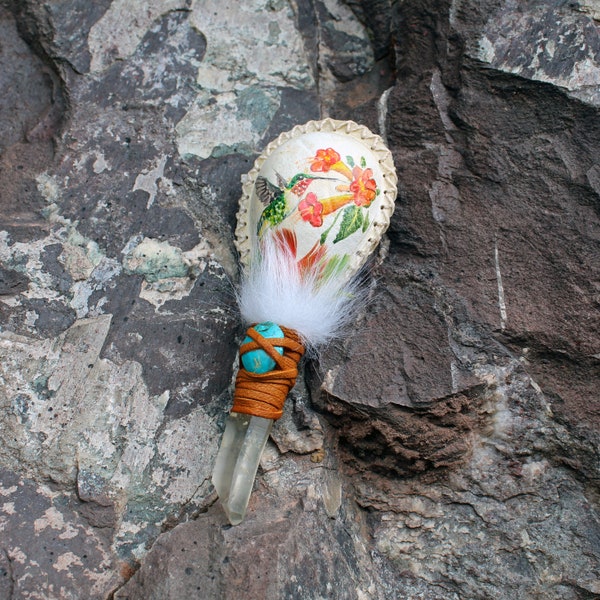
[446, 448]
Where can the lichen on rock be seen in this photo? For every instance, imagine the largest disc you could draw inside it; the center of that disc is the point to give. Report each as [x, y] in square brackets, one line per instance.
[447, 447]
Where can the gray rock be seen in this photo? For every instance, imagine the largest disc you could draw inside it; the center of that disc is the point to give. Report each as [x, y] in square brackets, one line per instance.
[11, 282]
[49, 547]
[446, 448]
[555, 42]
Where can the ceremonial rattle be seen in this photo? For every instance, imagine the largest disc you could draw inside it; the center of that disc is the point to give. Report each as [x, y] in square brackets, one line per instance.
[314, 207]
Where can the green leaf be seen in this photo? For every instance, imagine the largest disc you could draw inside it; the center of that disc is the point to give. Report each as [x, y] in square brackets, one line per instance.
[363, 162]
[326, 232]
[335, 265]
[350, 161]
[352, 220]
[365, 222]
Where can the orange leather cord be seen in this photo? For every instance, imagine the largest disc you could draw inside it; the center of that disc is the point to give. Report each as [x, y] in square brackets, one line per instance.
[264, 394]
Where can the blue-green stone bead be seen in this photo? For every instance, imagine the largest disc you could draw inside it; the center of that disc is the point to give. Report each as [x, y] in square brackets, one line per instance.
[258, 361]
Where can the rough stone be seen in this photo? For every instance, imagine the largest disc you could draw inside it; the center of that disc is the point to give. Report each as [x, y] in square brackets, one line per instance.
[299, 430]
[446, 448]
[49, 550]
[554, 42]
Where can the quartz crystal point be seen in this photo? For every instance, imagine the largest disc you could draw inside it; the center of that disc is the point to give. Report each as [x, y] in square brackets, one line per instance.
[242, 445]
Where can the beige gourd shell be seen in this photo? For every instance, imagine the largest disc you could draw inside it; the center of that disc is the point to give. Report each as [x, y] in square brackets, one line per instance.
[326, 189]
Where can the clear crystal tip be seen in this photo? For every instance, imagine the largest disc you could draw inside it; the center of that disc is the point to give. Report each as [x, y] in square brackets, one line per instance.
[237, 461]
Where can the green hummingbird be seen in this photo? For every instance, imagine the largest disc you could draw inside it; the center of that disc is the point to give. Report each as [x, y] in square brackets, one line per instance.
[276, 198]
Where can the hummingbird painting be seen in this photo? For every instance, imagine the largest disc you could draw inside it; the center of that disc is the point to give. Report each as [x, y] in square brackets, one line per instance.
[277, 198]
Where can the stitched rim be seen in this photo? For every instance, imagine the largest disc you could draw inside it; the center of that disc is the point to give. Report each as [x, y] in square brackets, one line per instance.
[378, 225]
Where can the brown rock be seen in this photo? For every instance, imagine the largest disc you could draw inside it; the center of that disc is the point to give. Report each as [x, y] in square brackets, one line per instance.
[455, 453]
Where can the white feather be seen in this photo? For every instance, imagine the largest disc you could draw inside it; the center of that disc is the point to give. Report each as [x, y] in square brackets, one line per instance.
[275, 290]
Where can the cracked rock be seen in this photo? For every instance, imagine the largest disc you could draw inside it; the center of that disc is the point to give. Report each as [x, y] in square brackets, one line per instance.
[446, 448]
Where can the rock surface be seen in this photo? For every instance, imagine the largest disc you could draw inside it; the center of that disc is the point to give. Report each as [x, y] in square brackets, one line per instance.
[448, 448]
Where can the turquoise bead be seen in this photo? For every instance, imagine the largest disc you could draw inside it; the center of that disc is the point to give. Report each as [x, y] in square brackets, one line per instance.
[258, 361]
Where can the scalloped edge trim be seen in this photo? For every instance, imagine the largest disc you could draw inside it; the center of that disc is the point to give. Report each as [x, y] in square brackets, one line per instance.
[378, 226]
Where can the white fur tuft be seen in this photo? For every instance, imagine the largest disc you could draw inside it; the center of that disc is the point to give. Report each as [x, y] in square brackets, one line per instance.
[275, 290]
